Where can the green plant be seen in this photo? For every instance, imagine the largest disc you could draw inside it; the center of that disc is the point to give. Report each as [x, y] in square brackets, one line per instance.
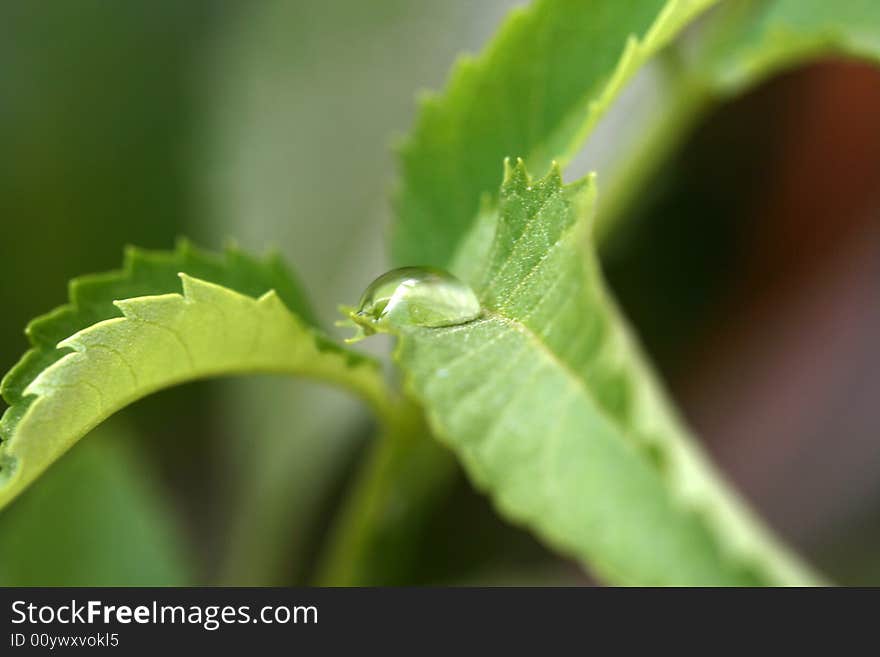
[545, 398]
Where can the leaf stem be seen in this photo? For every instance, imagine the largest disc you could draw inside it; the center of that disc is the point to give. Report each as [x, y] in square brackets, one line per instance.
[375, 539]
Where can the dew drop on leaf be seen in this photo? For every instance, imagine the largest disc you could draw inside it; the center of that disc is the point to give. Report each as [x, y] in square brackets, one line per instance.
[415, 296]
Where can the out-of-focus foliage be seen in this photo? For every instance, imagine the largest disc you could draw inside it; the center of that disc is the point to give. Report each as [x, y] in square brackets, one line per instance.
[98, 518]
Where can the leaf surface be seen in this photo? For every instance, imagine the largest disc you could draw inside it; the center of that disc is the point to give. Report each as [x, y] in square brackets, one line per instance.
[554, 412]
[154, 325]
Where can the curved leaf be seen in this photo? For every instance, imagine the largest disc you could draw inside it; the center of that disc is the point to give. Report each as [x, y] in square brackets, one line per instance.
[537, 90]
[96, 355]
[554, 412]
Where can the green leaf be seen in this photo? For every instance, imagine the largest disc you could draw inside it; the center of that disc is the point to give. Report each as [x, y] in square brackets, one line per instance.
[752, 40]
[96, 519]
[130, 333]
[537, 90]
[554, 412]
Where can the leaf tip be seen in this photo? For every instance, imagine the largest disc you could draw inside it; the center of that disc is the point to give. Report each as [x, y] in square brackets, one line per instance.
[515, 172]
[271, 298]
[187, 283]
[554, 175]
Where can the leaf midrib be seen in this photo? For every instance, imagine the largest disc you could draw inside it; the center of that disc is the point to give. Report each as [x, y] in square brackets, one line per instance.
[576, 380]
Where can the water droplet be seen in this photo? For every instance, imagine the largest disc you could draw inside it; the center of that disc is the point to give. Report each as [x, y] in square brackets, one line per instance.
[414, 296]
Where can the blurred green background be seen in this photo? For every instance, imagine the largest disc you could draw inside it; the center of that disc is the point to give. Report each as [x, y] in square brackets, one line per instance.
[750, 266]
